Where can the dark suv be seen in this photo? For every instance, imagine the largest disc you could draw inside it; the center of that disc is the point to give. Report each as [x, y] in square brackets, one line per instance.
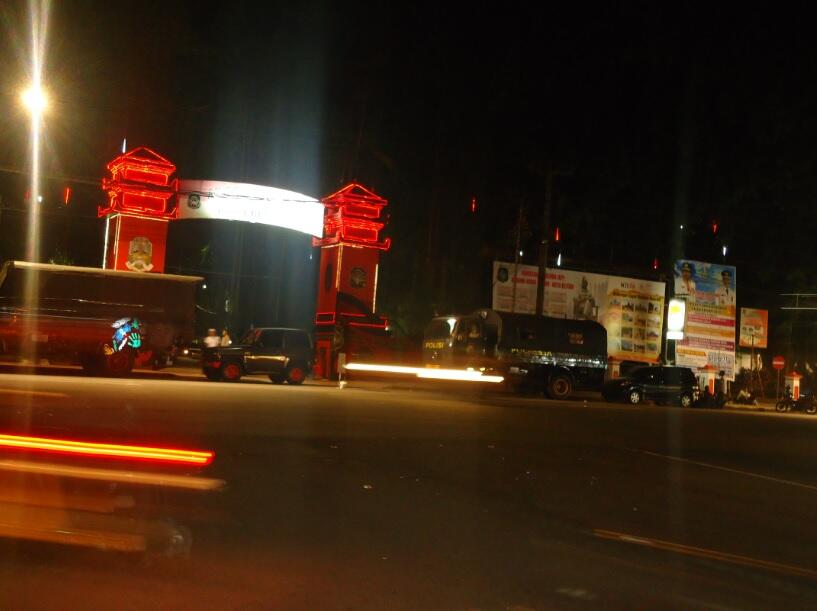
[660, 384]
[285, 355]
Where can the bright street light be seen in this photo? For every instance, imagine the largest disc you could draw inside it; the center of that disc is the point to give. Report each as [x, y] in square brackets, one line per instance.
[34, 99]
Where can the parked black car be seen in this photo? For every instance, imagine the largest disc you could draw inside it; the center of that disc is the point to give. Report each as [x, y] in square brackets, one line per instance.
[285, 355]
[660, 384]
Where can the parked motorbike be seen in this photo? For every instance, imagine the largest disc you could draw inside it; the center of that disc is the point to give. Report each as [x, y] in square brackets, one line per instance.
[805, 404]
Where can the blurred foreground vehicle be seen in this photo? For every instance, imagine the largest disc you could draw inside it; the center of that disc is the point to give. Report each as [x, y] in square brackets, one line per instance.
[117, 497]
[104, 320]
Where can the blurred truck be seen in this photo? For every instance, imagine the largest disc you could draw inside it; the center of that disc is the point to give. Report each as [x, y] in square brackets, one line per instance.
[104, 320]
[553, 354]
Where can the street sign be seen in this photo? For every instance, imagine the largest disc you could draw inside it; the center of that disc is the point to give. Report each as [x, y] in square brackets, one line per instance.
[778, 362]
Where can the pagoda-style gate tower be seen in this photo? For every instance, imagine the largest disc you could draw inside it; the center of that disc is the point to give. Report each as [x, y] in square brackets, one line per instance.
[141, 201]
[345, 319]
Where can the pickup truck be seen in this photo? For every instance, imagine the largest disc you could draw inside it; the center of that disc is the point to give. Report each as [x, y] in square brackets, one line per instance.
[283, 354]
[105, 320]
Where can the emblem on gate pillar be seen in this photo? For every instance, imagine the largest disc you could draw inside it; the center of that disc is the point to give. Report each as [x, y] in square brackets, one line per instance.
[140, 255]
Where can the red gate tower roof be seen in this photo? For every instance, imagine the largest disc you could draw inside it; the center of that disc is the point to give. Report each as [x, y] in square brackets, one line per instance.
[140, 185]
[352, 217]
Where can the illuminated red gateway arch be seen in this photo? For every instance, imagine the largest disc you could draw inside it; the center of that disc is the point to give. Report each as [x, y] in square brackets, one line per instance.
[144, 196]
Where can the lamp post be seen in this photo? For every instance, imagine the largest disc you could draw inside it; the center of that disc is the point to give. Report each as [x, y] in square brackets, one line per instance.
[35, 101]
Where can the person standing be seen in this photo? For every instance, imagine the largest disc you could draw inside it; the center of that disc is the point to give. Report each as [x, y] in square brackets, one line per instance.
[212, 340]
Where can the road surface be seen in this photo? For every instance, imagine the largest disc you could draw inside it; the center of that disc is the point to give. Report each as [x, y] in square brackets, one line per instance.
[383, 498]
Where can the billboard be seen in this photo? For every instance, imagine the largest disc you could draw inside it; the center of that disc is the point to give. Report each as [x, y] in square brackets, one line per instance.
[631, 310]
[232, 201]
[754, 328]
[514, 287]
[709, 337]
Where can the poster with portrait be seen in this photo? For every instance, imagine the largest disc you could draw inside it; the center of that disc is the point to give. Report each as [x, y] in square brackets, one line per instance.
[709, 336]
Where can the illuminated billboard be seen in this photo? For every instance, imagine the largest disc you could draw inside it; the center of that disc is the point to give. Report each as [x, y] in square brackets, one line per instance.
[676, 319]
[709, 337]
[231, 201]
[630, 309]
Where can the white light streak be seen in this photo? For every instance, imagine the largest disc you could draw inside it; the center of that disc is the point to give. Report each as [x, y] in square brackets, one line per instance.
[461, 375]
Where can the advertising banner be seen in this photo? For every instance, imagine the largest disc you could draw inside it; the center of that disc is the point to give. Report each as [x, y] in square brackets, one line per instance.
[631, 310]
[754, 328]
[514, 287]
[709, 336]
[232, 201]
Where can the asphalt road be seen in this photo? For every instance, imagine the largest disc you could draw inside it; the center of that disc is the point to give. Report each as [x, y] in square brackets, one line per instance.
[383, 498]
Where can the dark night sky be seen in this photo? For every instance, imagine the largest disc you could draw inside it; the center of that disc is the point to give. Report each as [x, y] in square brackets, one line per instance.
[663, 117]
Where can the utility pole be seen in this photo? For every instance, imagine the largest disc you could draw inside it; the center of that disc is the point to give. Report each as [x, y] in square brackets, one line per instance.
[544, 241]
[516, 257]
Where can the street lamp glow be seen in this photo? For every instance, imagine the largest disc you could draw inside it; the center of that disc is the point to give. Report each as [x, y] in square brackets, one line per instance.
[34, 99]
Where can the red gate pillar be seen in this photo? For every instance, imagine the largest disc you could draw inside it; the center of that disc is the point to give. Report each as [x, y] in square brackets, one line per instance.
[140, 203]
[345, 319]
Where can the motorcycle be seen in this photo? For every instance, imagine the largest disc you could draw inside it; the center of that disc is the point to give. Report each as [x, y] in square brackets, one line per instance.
[805, 403]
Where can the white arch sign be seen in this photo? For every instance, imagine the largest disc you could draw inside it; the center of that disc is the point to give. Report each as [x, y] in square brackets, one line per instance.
[232, 201]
